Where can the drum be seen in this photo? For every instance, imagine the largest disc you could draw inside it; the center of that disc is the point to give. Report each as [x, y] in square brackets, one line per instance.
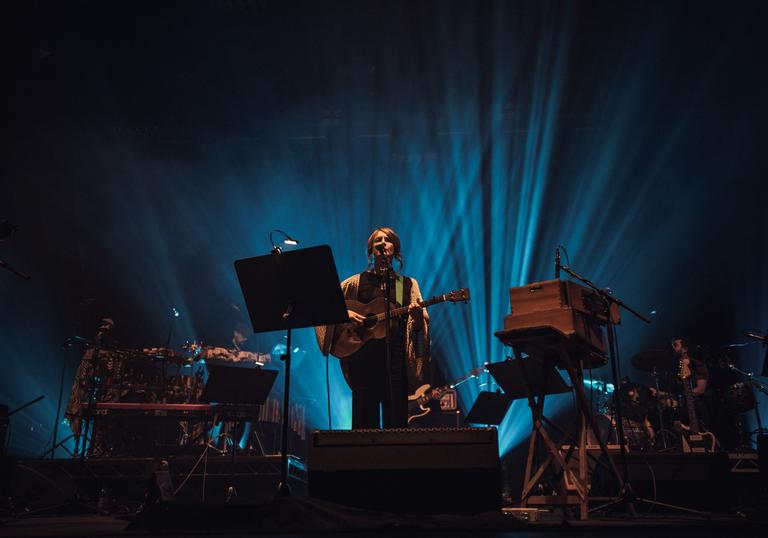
[739, 398]
[606, 430]
[638, 435]
[636, 401]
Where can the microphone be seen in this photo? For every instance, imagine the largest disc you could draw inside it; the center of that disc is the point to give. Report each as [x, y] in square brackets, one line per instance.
[557, 263]
[380, 248]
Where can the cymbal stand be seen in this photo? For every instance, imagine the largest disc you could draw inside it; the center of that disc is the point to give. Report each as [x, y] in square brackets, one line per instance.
[626, 494]
[662, 430]
[761, 387]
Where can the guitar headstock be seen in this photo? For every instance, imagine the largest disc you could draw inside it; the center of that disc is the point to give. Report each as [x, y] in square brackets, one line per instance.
[458, 296]
[476, 372]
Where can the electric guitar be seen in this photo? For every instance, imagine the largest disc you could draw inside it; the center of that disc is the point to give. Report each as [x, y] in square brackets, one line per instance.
[693, 439]
[351, 338]
[417, 402]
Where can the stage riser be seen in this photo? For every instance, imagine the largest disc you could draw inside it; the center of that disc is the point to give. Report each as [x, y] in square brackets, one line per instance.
[411, 491]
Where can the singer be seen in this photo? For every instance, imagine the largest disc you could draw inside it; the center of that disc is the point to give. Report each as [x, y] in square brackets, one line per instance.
[366, 371]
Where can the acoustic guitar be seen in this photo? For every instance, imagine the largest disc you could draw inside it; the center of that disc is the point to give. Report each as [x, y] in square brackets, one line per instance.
[351, 337]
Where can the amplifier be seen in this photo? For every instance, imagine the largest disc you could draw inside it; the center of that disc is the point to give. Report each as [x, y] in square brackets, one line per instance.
[431, 470]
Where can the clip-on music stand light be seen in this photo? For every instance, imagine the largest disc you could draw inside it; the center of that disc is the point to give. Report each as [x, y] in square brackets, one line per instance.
[291, 290]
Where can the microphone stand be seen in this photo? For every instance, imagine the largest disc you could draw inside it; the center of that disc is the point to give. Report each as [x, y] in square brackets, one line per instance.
[92, 392]
[7, 266]
[386, 263]
[88, 414]
[752, 382]
[284, 490]
[626, 495]
[659, 412]
[56, 442]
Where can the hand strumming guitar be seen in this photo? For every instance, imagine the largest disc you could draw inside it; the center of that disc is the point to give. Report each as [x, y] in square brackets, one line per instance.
[416, 311]
[355, 318]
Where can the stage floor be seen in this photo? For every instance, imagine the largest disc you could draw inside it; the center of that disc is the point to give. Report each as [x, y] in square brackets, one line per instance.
[111, 491]
[300, 518]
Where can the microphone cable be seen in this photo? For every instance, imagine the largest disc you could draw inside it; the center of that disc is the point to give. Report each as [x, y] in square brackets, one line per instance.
[328, 388]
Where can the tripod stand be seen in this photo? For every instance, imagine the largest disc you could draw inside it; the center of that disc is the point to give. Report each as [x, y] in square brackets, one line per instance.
[753, 384]
[626, 494]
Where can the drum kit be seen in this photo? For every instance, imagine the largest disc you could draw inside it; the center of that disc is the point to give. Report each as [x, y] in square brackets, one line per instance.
[651, 415]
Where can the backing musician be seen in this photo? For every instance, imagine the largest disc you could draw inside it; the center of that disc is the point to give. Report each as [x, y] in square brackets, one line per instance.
[698, 381]
[366, 370]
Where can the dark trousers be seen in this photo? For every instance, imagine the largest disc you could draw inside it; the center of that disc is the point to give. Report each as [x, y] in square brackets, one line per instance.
[372, 408]
[370, 379]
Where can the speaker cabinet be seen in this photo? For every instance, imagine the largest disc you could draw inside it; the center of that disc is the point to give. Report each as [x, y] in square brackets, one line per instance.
[418, 471]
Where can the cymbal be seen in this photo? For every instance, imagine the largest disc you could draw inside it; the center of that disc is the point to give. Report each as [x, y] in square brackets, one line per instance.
[738, 344]
[661, 360]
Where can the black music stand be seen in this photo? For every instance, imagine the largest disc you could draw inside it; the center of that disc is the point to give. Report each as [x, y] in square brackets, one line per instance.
[490, 408]
[238, 386]
[231, 386]
[291, 290]
[527, 377]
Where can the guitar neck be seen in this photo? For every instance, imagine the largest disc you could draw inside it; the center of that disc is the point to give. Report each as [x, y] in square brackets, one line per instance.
[402, 310]
[688, 394]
